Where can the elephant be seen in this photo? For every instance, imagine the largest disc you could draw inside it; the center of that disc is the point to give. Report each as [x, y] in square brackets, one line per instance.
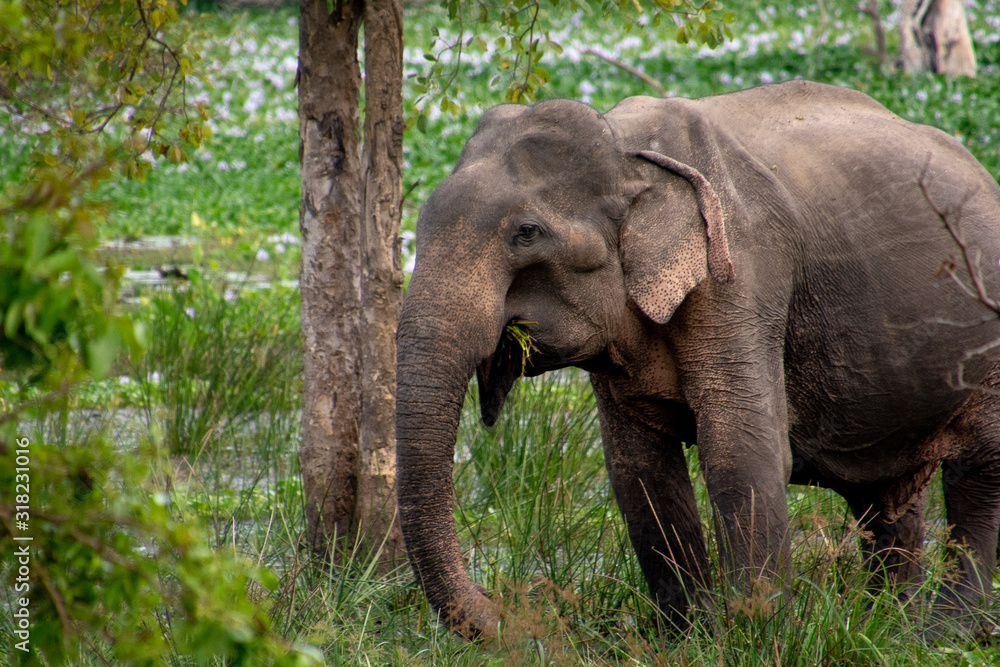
[791, 277]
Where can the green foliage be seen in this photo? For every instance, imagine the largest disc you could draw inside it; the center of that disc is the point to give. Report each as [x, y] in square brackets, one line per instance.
[68, 73]
[59, 318]
[518, 34]
[69, 70]
[113, 574]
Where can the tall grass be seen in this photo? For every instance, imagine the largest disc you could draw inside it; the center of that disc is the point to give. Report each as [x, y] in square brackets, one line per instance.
[222, 360]
[221, 387]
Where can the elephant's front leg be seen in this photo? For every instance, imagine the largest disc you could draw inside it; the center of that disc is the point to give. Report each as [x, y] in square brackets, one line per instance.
[742, 422]
[649, 475]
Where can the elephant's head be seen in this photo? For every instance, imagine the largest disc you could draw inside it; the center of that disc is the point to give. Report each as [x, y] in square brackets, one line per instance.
[555, 217]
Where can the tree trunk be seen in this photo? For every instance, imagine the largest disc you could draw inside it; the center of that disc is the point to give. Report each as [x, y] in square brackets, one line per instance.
[382, 281]
[934, 35]
[350, 281]
[330, 275]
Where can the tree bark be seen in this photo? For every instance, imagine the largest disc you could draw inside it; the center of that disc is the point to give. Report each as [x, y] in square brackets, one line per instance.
[382, 285]
[330, 274]
[350, 280]
[934, 35]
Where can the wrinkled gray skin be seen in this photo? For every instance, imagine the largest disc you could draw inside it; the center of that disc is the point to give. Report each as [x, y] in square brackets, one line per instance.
[759, 273]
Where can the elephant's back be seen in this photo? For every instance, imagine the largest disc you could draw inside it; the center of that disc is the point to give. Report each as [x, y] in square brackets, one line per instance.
[880, 318]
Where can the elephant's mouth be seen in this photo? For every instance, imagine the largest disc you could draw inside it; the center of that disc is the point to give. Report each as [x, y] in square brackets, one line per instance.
[511, 360]
[496, 375]
[516, 354]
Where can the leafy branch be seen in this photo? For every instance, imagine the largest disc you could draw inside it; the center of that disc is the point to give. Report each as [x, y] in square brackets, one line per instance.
[89, 88]
[514, 34]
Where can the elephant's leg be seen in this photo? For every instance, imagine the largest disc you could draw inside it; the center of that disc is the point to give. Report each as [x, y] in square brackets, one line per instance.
[972, 499]
[751, 519]
[650, 478]
[971, 481]
[892, 550]
[745, 456]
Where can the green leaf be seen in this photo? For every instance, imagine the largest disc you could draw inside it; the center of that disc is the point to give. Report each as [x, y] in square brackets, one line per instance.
[12, 320]
[54, 265]
[101, 354]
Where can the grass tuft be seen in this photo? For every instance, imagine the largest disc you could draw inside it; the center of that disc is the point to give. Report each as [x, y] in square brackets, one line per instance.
[517, 337]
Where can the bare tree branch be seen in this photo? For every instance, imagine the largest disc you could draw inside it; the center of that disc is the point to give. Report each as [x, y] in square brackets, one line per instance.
[952, 218]
[870, 7]
[628, 68]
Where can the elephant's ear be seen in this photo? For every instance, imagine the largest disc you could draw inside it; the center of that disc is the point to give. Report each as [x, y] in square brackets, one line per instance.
[720, 264]
[663, 250]
[675, 234]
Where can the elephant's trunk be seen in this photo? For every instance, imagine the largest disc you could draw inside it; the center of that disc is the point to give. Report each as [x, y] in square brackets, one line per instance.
[433, 372]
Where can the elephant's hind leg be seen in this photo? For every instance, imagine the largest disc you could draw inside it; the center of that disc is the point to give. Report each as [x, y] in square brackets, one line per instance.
[891, 547]
[972, 498]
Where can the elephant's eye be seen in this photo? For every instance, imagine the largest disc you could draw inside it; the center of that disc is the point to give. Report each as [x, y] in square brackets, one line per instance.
[526, 233]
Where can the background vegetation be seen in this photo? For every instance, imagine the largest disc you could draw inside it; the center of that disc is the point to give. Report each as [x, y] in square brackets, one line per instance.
[212, 407]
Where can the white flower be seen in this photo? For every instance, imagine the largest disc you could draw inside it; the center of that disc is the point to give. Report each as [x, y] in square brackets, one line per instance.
[283, 115]
[922, 95]
[262, 255]
[279, 248]
[254, 100]
[223, 165]
[765, 77]
[190, 312]
[285, 238]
